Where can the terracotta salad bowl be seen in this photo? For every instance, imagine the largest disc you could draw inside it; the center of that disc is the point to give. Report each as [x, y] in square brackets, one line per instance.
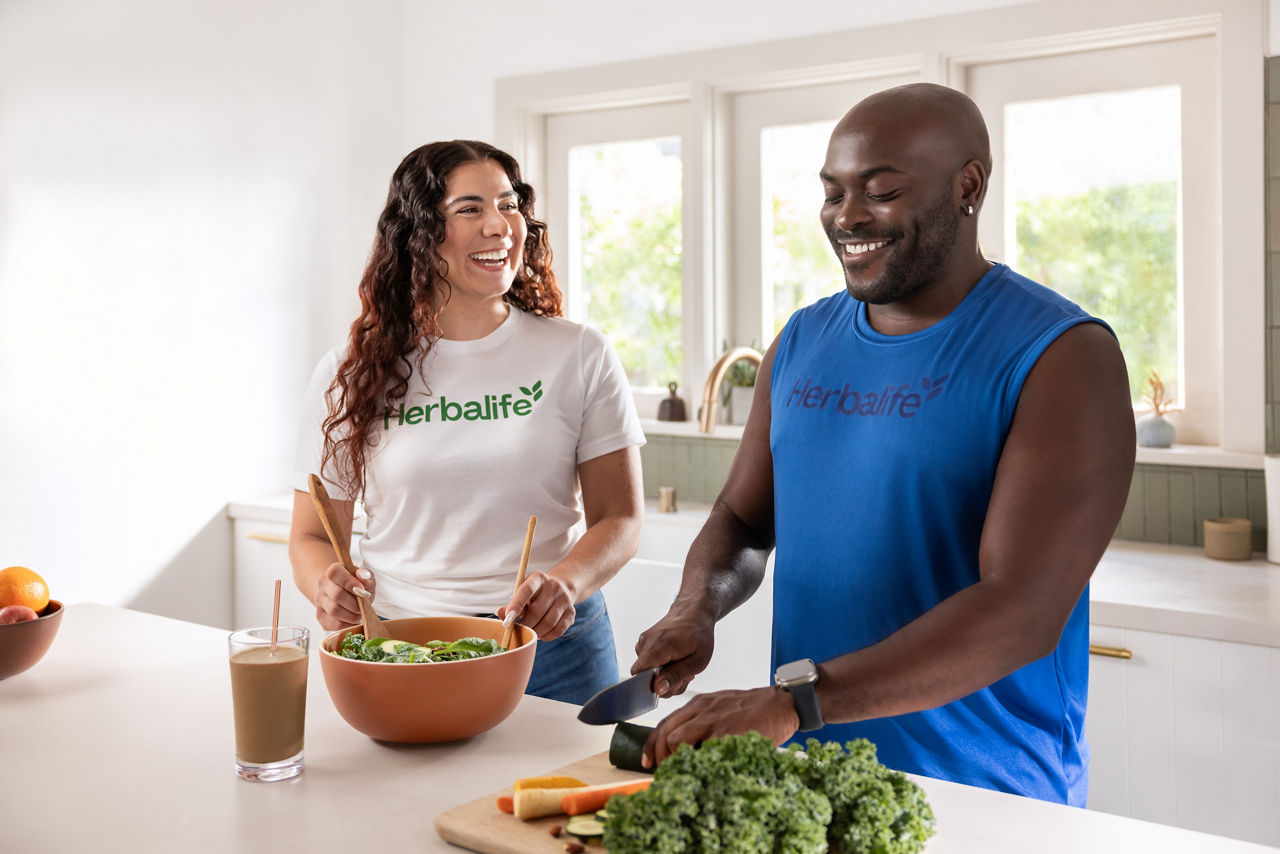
[434, 701]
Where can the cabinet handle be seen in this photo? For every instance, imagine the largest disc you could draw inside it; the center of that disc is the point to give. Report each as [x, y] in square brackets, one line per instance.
[269, 538]
[1109, 651]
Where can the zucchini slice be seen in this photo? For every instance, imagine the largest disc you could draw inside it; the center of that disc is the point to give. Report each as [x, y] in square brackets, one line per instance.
[585, 827]
[627, 745]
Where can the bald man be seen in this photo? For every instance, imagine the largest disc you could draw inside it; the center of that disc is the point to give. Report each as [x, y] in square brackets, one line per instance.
[939, 453]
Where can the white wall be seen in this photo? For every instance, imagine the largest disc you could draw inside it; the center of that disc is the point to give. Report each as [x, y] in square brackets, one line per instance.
[187, 194]
[451, 95]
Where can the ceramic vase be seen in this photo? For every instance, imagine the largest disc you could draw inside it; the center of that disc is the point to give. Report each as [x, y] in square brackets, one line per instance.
[1154, 431]
[740, 403]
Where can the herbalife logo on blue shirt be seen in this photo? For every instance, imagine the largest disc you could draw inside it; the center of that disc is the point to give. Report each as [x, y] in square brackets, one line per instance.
[903, 400]
[490, 407]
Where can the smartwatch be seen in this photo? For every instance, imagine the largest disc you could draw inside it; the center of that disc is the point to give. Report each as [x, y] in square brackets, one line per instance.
[801, 679]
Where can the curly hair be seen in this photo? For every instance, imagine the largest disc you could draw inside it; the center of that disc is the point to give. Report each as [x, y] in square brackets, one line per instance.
[404, 287]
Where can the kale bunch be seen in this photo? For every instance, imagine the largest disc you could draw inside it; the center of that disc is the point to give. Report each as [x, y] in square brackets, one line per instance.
[741, 794]
[874, 809]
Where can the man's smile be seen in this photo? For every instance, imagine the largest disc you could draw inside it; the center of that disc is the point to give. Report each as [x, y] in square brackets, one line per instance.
[858, 251]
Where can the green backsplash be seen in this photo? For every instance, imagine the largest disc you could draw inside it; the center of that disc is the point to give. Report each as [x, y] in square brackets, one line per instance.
[695, 467]
[1167, 504]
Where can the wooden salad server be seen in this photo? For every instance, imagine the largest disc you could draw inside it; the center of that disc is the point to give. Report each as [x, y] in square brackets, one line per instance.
[373, 627]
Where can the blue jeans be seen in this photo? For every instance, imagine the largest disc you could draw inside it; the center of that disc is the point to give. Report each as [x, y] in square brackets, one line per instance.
[576, 665]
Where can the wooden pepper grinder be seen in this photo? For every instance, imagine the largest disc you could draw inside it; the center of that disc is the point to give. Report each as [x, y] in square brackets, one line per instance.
[672, 408]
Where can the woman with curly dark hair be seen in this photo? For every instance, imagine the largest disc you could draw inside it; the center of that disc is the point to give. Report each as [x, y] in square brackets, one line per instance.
[462, 404]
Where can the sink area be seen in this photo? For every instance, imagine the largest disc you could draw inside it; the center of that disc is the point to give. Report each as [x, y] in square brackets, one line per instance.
[711, 391]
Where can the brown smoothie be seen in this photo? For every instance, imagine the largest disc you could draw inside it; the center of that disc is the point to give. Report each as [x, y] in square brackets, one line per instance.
[269, 692]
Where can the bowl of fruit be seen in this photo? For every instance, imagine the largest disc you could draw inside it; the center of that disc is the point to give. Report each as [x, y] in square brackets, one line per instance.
[29, 619]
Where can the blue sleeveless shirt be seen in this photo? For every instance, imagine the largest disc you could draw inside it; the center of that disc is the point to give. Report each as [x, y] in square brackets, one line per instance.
[884, 455]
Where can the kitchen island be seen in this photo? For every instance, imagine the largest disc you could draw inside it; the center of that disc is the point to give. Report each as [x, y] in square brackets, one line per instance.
[121, 739]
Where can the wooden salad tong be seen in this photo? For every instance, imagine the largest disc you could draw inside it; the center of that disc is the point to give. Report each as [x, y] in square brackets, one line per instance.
[373, 627]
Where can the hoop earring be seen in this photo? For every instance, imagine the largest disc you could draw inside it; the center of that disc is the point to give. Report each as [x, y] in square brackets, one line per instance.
[968, 211]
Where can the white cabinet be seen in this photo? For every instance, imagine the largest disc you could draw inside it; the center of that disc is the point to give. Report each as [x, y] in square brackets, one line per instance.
[639, 595]
[1186, 732]
[261, 555]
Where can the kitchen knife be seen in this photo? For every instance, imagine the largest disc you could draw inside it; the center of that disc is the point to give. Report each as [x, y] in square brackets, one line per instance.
[623, 701]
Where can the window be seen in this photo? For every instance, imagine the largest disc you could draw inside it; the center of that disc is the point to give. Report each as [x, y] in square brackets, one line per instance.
[798, 263]
[1091, 198]
[617, 220]
[1127, 161]
[780, 259]
[624, 250]
[1099, 191]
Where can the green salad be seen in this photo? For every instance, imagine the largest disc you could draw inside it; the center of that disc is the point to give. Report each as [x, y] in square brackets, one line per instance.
[739, 793]
[388, 651]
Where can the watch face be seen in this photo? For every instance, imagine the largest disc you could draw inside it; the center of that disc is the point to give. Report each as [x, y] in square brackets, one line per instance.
[794, 672]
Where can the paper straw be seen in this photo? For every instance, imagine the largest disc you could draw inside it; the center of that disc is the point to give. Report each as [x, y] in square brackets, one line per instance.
[275, 618]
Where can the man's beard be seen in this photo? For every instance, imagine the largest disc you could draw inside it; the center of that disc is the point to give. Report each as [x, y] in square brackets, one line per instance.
[915, 263]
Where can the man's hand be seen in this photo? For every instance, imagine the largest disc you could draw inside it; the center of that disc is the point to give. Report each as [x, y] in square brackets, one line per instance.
[681, 644]
[769, 711]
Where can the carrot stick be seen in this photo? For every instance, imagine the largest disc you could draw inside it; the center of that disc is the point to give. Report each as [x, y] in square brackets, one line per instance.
[535, 803]
[506, 804]
[594, 798]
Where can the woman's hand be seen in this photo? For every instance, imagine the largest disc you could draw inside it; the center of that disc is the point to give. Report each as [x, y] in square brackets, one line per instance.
[613, 504]
[544, 603]
[769, 711]
[336, 605]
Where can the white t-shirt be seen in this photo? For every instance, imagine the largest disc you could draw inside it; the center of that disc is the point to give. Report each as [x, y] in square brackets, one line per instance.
[493, 434]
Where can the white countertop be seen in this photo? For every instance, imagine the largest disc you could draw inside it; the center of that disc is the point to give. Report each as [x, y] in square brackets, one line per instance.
[278, 508]
[1145, 586]
[121, 740]
[1176, 589]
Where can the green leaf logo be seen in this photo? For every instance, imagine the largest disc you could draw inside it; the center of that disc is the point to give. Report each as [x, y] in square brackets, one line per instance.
[535, 392]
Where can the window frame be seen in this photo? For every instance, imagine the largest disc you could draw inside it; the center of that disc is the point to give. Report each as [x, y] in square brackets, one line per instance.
[1159, 62]
[748, 113]
[938, 50]
[614, 124]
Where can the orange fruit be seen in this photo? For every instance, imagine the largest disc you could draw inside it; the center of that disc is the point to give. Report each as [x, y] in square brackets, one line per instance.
[22, 586]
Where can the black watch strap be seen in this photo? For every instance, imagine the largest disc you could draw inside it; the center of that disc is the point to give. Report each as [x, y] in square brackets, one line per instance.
[804, 694]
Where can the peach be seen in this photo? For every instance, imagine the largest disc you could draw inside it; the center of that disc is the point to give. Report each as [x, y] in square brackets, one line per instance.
[16, 614]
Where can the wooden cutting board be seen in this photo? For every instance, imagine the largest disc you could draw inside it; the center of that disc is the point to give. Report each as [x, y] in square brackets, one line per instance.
[479, 826]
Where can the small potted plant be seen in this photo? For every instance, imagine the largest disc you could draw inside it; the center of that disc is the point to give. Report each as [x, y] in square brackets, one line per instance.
[1154, 430]
[739, 389]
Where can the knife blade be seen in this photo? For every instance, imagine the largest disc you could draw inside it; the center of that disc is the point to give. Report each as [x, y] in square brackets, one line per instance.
[623, 701]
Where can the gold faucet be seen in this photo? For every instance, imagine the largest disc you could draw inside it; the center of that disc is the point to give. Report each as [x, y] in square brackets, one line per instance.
[707, 417]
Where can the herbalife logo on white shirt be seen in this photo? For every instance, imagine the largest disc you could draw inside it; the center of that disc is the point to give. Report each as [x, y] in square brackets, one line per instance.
[490, 407]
